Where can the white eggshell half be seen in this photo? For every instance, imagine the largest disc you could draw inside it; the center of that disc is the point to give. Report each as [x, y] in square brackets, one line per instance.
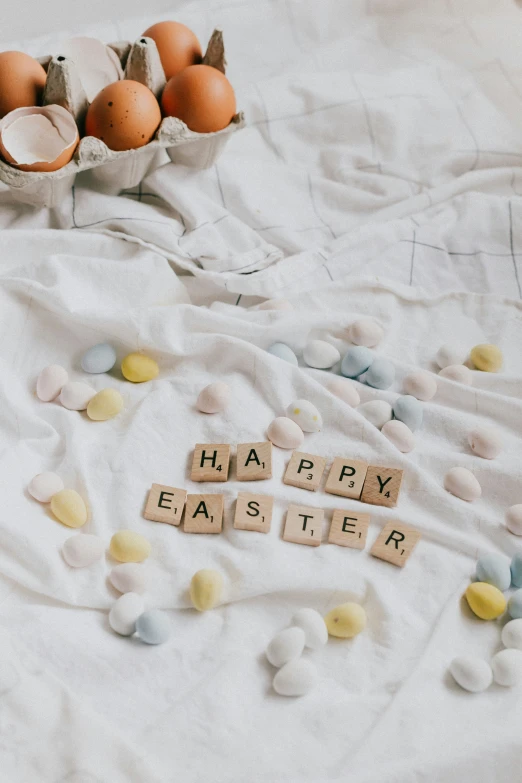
[214, 398]
[76, 395]
[128, 578]
[507, 667]
[378, 412]
[44, 486]
[345, 390]
[296, 678]
[463, 484]
[471, 673]
[285, 433]
[305, 415]
[485, 442]
[314, 627]
[82, 550]
[400, 435]
[285, 646]
[124, 613]
[50, 382]
[321, 355]
[420, 384]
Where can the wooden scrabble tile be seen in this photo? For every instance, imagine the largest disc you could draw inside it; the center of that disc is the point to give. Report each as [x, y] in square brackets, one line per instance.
[346, 477]
[211, 461]
[253, 512]
[382, 486]
[395, 543]
[349, 528]
[165, 504]
[304, 525]
[204, 514]
[305, 471]
[254, 461]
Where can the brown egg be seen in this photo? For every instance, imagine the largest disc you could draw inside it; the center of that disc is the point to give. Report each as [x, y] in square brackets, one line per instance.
[22, 80]
[202, 97]
[178, 47]
[125, 115]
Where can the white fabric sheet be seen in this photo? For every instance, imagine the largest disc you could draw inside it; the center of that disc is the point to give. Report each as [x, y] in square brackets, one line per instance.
[379, 174]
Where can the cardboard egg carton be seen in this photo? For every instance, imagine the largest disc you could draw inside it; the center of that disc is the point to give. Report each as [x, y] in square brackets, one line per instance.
[111, 171]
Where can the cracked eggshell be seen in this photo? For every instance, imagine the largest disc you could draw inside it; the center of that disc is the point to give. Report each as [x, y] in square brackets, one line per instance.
[96, 63]
[305, 415]
[40, 138]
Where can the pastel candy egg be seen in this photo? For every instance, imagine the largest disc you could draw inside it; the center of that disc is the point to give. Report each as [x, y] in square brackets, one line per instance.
[471, 673]
[380, 375]
[285, 433]
[82, 550]
[127, 546]
[76, 395]
[366, 332]
[320, 354]
[295, 678]
[512, 634]
[206, 589]
[487, 357]
[345, 390]
[463, 484]
[408, 410]
[44, 486]
[356, 361]
[346, 620]
[495, 570]
[106, 404]
[458, 373]
[485, 442]
[377, 412]
[507, 667]
[451, 354]
[420, 384]
[485, 600]
[99, 358]
[514, 519]
[400, 435]
[285, 646]
[50, 382]
[128, 578]
[305, 415]
[213, 398]
[68, 507]
[124, 613]
[314, 627]
[274, 304]
[153, 627]
[515, 605]
[516, 569]
[138, 368]
[282, 351]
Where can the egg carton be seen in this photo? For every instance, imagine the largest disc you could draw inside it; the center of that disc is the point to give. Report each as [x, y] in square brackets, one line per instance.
[110, 171]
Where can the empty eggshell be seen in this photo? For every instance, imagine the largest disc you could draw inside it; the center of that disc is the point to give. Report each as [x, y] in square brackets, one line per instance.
[400, 435]
[495, 570]
[451, 354]
[82, 550]
[458, 373]
[76, 395]
[514, 519]
[512, 634]
[44, 486]
[97, 65]
[50, 382]
[128, 578]
[295, 678]
[213, 398]
[366, 331]
[39, 138]
[314, 627]
[380, 375]
[408, 410]
[285, 433]
[378, 412]
[282, 351]
[345, 390]
[285, 646]
[305, 415]
[356, 360]
[485, 442]
[320, 354]
[420, 384]
[463, 484]
[507, 667]
[124, 613]
[471, 673]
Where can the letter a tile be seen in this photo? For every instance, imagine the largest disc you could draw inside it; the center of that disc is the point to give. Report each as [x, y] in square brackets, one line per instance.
[204, 514]
[254, 461]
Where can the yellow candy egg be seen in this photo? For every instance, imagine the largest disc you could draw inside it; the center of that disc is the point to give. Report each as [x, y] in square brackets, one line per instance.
[69, 508]
[206, 588]
[346, 620]
[487, 358]
[139, 368]
[104, 405]
[485, 600]
[129, 547]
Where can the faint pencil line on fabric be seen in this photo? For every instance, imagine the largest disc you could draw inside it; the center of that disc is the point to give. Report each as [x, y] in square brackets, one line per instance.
[459, 253]
[314, 206]
[512, 246]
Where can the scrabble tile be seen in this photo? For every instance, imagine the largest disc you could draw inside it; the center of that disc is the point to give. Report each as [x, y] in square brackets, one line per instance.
[211, 462]
[165, 504]
[349, 528]
[395, 543]
[204, 514]
[382, 486]
[254, 461]
[303, 525]
[346, 477]
[253, 512]
[305, 471]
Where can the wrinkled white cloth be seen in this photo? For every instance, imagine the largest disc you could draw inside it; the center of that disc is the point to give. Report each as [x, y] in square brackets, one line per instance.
[379, 175]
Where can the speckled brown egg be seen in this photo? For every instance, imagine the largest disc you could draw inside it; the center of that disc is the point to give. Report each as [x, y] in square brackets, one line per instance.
[22, 80]
[125, 115]
[202, 97]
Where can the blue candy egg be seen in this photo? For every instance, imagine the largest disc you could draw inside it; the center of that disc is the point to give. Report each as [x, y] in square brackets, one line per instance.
[516, 570]
[99, 358]
[408, 410]
[381, 374]
[515, 605]
[495, 570]
[356, 361]
[153, 627]
[282, 351]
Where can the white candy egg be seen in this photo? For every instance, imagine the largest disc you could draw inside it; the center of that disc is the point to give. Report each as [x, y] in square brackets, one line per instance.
[420, 384]
[50, 382]
[321, 355]
[305, 415]
[400, 435]
[213, 398]
[296, 678]
[471, 673]
[82, 550]
[124, 613]
[128, 578]
[44, 486]
[285, 433]
[285, 646]
[314, 627]
[458, 373]
[366, 331]
[514, 519]
[345, 390]
[507, 667]
[512, 634]
[463, 484]
[76, 395]
[451, 354]
[283, 351]
[378, 412]
[485, 442]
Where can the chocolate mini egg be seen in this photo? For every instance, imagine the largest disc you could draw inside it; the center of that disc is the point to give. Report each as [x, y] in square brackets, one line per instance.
[50, 382]
[82, 550]
[314, 627]
[138, 368]
[487, 357]
[378, 412]
[105, 404]
[366, 331]
[507, 667]
[516, 569]
[462, 483]
[408, 410]
[380, 375]
[420, 384]
[295, 678]
[514, 519]
[458, 373]
[44, 486]
[285, 646]
[200, 96]
[153, 627]
[124, 613]
[345, 390]
[99, 358]
[214, 398]
[127, 546]
[305, 415]
[485, 600]
[346, 620]
[75, 395]
[515, 605]
[282, 351]
[485, 442]
[356, 361]
[495, 570]
[125, 115]
[69, 507]
[471, 673]
[320, 354]
[128, 578]
[206, 589]
[451, 354]
[400, 435]
[22, 80]
[177, 46]
[512, 634]
[285, 433]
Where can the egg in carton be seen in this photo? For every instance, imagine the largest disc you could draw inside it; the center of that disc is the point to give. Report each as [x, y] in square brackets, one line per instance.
[111, 171]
